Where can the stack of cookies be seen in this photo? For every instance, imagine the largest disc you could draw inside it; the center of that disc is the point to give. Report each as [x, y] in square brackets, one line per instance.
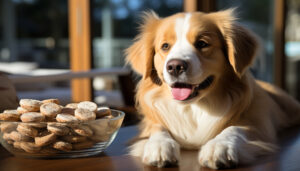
[48, 127]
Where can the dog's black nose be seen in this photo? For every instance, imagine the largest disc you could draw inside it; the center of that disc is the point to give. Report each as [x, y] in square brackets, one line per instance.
[175, 67]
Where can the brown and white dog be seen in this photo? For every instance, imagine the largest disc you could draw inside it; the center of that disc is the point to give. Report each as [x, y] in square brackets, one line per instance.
[196, 92]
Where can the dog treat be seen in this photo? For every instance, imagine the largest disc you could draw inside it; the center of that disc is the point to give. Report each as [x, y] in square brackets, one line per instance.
[58, 128]
[63, 146]
[83, 130]
[66, 118]
[22, 110]
[45, 140]
[30, 104]
[9, 117]
[83, 145]
[32, 117]
[17, 144]
[7, 127]
[6, 137]
[88, 105]
[67, 110]
[30, 147]
[103, 111]
[50, 110]
[85, 114]
[72, 105]
[27, 130]
[16, 136]
[37, 125]
[14, 111]
[56, 101]
[73, 139]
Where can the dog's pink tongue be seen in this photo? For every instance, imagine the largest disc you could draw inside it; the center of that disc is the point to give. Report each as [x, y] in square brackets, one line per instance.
[181, 93]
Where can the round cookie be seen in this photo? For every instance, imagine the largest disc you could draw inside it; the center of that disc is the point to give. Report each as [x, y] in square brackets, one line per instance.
[17, 144]
[72, 105]
[66, 118]
[56, 101]
[84, 114]
[103, 111]
[83, 130]
[7, 127]
[22, 110]
[74, 139]
[50, 109]
[58, 128]
[16, 136]
[88, 105]
[27, 130]
[45, 140]
[63, 146]
[30, 147]
[83, 145]
[9, 117]
[14, 111]
[32, 117]
[30, 104]
[37, 125]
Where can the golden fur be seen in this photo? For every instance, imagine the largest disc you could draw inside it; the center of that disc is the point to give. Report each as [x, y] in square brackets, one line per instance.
[234, 106]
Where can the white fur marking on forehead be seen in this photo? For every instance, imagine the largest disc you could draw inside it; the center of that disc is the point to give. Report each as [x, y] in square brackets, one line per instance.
[183, 49]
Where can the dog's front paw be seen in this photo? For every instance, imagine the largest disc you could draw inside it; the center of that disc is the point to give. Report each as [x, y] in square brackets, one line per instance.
[161, 151]
[218, 154]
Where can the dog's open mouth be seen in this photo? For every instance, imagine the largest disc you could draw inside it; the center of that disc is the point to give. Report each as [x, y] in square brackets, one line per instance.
[184, 91]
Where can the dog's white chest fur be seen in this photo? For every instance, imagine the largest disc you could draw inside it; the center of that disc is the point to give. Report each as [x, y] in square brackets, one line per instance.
[190, 125]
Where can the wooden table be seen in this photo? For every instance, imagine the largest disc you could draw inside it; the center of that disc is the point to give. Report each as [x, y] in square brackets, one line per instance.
[114, 158]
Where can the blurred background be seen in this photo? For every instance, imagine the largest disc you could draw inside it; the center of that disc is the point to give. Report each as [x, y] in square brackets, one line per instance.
[35, 40]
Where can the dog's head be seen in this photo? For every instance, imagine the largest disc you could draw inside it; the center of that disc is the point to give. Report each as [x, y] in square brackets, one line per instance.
[191, 52]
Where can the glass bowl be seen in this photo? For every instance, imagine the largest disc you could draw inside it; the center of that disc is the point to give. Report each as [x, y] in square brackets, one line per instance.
[99, 134]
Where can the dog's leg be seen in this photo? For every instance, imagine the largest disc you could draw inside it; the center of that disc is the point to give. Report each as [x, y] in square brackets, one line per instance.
[159, 150]
[231, 147]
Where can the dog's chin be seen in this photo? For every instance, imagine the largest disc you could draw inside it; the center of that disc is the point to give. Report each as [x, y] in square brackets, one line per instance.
[185, 92]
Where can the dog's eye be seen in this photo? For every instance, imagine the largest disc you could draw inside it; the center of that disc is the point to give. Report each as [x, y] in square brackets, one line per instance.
[200, 44]
[165, 46]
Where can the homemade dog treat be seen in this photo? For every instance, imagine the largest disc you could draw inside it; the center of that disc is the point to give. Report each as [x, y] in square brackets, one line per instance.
[27, 130]
[85, 114]
[88, 105]
[32, 117]
[30, 147]
[50, 109]
[66, 118]
[74, 138]
[45, 140]
[49, 128]
[7, 127]
[63, 146]
[16, 136]
[56, 101]
[103, 111]
[72, 105]
[30, 104]
[58, 128]
[22, 110]
[83, 131]
[9, 117]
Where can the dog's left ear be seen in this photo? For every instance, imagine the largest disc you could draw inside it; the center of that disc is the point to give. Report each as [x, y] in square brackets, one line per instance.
[241, 44]
[140, 54]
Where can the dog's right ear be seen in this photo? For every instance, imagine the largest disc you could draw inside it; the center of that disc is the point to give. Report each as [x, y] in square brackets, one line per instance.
[140, 54]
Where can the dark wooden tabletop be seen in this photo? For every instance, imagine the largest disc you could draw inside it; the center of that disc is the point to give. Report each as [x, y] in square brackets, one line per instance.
[114, 158]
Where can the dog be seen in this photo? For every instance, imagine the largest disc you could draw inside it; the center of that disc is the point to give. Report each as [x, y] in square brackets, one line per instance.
[196, 92]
